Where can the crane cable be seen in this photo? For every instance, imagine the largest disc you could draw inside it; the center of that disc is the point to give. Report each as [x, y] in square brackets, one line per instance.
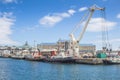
[81, 21]
[103, 31]
[105, 36]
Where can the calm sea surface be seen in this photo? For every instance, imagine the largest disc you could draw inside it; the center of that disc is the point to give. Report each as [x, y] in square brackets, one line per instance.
[11, 69]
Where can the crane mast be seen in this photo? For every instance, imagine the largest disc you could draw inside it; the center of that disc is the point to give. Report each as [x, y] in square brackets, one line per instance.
[74, 43]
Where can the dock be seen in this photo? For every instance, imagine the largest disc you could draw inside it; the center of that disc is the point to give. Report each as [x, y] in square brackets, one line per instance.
[92, 61]
[64, 60]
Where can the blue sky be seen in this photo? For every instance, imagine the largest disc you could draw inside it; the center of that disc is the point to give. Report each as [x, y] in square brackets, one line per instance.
[50, 20]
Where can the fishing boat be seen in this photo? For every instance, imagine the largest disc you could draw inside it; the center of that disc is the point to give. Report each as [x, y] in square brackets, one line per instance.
[34, 55]
[61, 58]
[6, 54]
[17, 55]
[115, 60]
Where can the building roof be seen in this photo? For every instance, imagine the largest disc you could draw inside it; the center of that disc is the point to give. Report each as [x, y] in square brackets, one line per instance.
[47, 44]
[87, 45]
[60, 40]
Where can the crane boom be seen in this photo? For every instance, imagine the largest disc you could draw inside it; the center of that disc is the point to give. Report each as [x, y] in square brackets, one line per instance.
[92, 9]
[74, 43]
[86, 24]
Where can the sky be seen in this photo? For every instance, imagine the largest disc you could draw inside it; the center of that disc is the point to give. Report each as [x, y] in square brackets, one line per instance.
[47, 21]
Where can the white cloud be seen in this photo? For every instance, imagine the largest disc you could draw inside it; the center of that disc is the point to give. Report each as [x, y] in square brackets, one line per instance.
[64, 15]
[83, 9]
[9, 1]
[51, 20]
[71, 11]
[6, 15]
[5, 28]
[118, 16]
[96, 25]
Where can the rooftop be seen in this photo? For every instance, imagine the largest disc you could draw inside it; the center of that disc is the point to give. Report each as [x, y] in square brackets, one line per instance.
[47, 44]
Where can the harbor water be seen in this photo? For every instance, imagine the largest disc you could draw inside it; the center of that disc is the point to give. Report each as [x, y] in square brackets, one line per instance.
[12, 69]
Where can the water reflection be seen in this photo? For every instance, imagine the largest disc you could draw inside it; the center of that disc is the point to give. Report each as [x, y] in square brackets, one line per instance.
[11, 69]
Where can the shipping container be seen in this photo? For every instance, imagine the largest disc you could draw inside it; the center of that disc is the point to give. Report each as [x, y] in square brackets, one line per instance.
[101, 55]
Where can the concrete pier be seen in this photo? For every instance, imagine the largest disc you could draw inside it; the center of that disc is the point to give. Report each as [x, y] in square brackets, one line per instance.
[93, 61]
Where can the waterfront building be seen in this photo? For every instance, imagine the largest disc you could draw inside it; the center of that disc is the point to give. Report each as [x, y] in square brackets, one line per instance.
[87, 48]
[47, 46]
[64, 44]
